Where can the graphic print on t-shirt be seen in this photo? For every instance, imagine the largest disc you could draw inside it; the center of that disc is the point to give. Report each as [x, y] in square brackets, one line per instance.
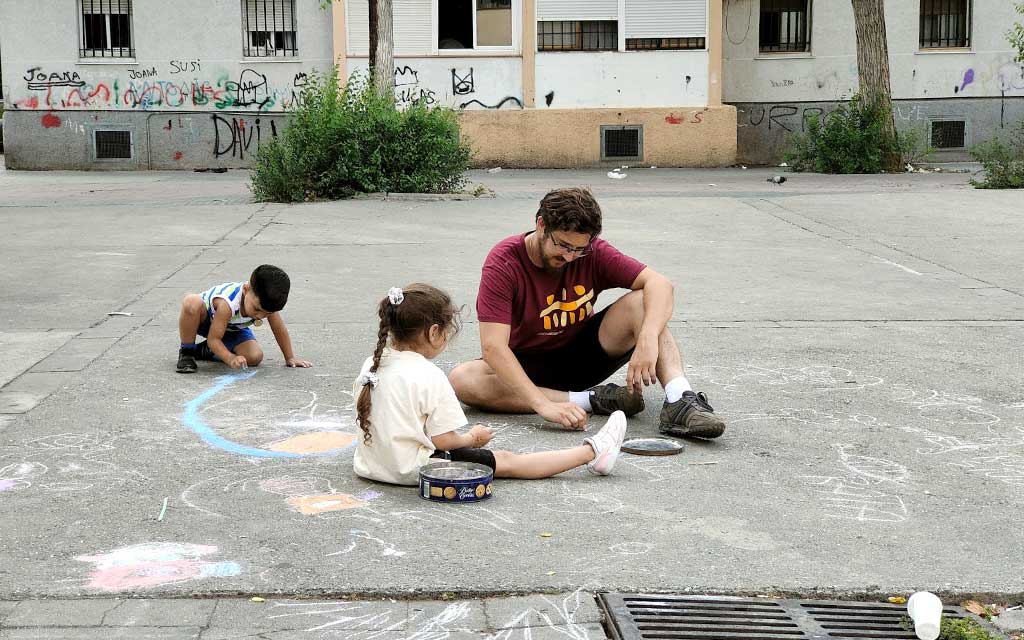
[566, 312]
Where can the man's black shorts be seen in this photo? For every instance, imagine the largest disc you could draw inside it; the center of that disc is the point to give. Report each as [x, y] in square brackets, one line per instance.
[468, 454]
[576, 366]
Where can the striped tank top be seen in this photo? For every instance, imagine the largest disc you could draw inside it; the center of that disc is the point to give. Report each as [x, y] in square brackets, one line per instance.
[231, 292]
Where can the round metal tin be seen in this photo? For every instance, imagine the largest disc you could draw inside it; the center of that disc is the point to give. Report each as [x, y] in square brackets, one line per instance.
[652, 447]
[450, 481]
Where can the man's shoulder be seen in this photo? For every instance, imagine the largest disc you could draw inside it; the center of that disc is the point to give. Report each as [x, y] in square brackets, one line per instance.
[507, 249]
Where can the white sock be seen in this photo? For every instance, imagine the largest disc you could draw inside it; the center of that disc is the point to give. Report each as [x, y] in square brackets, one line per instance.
[676, 387]
[581, 399]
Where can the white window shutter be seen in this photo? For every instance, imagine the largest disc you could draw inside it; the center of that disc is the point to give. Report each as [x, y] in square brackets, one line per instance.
[413, 25]
[357, 20]
[666, 18]
[577, 10]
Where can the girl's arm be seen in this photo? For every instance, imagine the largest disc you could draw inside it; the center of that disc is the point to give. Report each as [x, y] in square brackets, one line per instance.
[476, 437]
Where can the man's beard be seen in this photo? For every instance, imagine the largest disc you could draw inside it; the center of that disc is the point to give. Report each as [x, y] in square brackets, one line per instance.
[552, 263]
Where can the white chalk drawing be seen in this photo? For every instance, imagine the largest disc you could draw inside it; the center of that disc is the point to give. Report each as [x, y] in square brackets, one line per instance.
[580, 499]
[866, 492]
[376, 544]
[1006, 468]
[559, 619]
[631, 548]
[805, 380]
[64, 462]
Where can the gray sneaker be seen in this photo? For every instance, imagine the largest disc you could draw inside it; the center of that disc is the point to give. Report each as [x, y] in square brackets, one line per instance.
[606, 399]
[690, 417]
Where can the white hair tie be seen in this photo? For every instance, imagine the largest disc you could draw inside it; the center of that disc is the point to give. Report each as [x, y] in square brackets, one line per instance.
[370, 378]
[395, 295]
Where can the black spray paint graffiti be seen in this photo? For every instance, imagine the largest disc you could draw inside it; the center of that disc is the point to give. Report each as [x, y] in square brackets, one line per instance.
[497, 106]
[462, 84]
[549, 97]
[38, 80]
[183, 66]
[251, 89]
[407, 89]
[779, 116]
[238, 135]
[299, 83]
[142, 73]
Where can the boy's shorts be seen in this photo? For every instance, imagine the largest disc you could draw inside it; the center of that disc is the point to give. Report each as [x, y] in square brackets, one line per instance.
[576, 366]
[479, 456]
[232, 338]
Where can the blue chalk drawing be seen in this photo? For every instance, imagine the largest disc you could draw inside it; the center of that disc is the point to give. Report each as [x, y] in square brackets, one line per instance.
[194, 421]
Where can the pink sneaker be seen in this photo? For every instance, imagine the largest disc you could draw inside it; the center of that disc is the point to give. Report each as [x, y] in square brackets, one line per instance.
[606, 443]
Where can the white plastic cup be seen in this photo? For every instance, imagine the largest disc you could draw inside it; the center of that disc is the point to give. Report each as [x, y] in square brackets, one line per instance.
[925, 609]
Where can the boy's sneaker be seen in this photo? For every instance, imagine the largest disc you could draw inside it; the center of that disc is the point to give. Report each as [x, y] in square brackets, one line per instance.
[690, 417]
[606, 444]
[203, 351]
[187, 360]
[606, 399]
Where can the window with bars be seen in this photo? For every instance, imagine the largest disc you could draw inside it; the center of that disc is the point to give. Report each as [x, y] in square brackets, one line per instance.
[785, 26]
[578, 35]
[268, 28]
[106, 29]
[945, 24]
[646, 44]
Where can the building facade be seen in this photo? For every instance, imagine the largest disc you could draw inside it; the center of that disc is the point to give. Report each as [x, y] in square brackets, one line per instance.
[144, 84]
[199, 83]
[952, 72]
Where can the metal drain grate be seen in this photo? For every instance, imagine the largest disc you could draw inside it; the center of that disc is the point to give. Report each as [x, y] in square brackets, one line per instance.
[643, 616]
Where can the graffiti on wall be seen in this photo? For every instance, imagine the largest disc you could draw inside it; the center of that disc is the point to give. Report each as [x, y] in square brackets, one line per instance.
[785, 117]
[408, 89]
[239, 136]
[146, 89]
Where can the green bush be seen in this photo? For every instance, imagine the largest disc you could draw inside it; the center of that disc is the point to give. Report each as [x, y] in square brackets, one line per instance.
[850, 139]
[338, 143]
[1002, 160]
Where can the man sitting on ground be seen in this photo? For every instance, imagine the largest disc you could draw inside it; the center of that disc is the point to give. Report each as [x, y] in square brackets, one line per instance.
[543, 346]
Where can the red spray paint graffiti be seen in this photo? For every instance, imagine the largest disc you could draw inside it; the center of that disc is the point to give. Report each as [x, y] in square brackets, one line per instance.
[672, 119]
[50, 121]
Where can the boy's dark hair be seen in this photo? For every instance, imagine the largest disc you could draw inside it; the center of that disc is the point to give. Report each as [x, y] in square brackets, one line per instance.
[422, 307]
[271, 285]
[573, 209]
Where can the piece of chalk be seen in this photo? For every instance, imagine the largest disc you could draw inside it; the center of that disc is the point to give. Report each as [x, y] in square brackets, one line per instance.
[160, 518]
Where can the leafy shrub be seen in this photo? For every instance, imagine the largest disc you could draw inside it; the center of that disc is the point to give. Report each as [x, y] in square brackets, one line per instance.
[1002, 160]
[851, 139]
[340, 143]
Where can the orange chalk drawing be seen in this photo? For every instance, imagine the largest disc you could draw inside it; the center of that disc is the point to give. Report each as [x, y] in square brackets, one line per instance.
[315, 505]
[314, 442]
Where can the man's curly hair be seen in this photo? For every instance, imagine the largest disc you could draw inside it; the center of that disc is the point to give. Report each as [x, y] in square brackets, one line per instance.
[573, 209]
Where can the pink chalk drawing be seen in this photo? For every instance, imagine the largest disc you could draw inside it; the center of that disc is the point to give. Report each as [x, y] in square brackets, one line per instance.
[148, 565]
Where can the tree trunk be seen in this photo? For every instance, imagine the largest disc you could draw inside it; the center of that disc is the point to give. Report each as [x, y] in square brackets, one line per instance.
[873, 70]
[382, 60]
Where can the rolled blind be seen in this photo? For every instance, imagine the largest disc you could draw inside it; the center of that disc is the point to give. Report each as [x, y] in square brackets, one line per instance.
[91, 7]
[666, 18]
[577, 10]
[412, 21]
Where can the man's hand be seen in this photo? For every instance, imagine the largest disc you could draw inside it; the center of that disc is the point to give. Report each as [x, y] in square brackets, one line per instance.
[295, 362]
[566, 414]
[237, 362]
[480, 435]
[642, 367]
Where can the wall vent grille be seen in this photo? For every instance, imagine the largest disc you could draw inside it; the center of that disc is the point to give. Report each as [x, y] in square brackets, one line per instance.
[113, 145]
[622, 142]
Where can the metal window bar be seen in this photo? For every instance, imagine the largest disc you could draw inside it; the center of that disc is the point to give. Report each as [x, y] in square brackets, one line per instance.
[784, 26]
[945, 24]
[647, 44]
[577, 35]
[105, 28]
[269, 28]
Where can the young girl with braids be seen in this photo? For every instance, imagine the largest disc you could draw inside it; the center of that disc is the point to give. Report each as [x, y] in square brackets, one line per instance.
[408, 411]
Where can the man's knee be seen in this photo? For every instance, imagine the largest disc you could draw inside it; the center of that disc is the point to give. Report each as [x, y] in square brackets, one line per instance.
[193, 305]
[461, 379]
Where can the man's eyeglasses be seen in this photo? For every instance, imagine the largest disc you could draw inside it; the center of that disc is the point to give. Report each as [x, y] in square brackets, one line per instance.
[568, 248]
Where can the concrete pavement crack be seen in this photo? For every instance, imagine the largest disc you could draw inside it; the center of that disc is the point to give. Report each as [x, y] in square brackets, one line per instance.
[904, 252]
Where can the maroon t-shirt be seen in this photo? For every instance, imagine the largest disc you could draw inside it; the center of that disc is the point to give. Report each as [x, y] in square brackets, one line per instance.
[546, 310]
